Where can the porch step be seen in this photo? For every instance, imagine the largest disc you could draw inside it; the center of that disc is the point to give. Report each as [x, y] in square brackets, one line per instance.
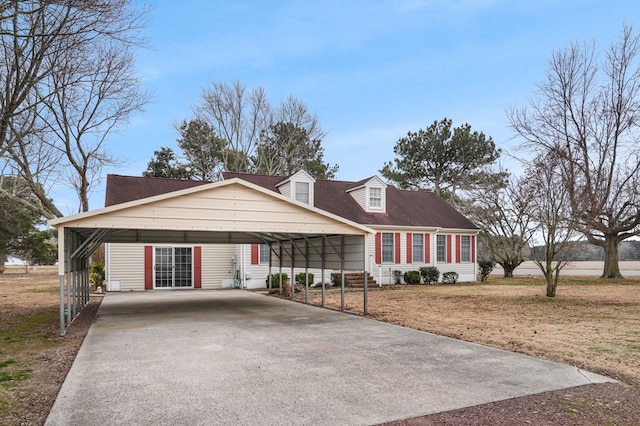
[356, 280]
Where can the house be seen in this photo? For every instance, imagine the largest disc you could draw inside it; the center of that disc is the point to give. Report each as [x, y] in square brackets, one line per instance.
[412, 229]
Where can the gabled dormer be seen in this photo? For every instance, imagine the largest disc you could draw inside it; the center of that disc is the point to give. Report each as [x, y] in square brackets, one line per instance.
[299, 186]
[371, 194]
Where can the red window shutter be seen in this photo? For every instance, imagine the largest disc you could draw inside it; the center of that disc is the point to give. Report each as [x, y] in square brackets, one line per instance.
[197, 267]
[427, 248]
[148, 267]
[448, 248]
[397, 247]
[473, 248]
[379, 248]
[255, 254]
[409, 247]
[458, 246]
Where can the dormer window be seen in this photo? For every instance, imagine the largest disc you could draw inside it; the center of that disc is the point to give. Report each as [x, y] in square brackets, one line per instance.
[299, 186]
[302, 192]
[370, 194]
[375, 198]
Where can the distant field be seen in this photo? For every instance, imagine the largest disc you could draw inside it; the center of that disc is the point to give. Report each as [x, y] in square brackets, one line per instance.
[627, 268]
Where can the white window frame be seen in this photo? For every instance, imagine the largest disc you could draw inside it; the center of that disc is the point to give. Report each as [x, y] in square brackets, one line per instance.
[375, 198]
[304, 194]
[441, 248]
[420, 257]
[465, 248]
[383, 244]
[264, 254]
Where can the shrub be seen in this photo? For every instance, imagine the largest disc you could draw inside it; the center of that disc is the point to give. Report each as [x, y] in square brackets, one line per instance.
[275, 279]
[336, 278]
[449, 277]
[412, 277]
[300, 278]
[397, 277]
[430, 274]
[96, 274]
[486, 266]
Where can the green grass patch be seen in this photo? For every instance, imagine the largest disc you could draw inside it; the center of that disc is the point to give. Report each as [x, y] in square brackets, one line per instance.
[7, 363]
[601, 350]
[7, 376]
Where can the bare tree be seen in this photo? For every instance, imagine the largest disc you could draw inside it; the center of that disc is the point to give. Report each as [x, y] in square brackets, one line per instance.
[251, 135]
[88, 102]
[549, 217]
[588, 116]
[42, 41]
[237, 116]
[501, 213]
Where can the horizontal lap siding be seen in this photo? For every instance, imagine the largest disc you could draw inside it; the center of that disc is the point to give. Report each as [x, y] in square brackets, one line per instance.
[126, 264]
[217, 264]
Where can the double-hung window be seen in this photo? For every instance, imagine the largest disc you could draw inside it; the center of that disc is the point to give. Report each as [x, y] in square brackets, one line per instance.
[375, 198]
[302, 192]
[465, 248]
[387, 247]
[417, 249]
[264, 254]
[441, 248]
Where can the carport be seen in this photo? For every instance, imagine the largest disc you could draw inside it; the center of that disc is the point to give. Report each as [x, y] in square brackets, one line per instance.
[228, 212]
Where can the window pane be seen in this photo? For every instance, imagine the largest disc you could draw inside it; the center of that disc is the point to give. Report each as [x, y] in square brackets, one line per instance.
[441, 248]
[465, 248]
[375, 197]
[387, 247]
[264, 254]
[418, 248]
[302, 192]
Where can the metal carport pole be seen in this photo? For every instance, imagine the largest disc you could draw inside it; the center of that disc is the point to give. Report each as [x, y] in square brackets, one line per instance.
[342, 272]
[324, 253]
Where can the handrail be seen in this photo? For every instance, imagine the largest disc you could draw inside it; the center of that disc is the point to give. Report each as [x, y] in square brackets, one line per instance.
[373, 264]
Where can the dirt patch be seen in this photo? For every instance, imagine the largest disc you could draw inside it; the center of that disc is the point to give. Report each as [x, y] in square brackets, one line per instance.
[34, 359]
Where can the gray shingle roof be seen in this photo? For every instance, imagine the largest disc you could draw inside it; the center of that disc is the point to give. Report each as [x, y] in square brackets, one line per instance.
[404, 208]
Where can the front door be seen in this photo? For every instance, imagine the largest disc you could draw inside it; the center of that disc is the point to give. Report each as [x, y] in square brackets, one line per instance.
[173, 267]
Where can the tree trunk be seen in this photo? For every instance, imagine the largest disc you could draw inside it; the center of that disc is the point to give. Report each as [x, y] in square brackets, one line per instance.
[611, 265]
[508, 268]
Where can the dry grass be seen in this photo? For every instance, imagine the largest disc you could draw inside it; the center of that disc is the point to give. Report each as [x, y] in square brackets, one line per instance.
[591, 323]
[34, 359]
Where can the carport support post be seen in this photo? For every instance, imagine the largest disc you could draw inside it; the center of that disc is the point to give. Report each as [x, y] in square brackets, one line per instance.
[366, 276]
[62, 325]
[292, 278]
[324, 240]
[342, 273]
[280, 270]
[306, 273]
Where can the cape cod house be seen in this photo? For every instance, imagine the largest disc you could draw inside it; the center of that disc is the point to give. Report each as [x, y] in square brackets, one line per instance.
[412, 229]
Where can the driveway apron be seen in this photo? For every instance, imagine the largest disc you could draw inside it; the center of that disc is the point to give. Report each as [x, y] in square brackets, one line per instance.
[206, 357]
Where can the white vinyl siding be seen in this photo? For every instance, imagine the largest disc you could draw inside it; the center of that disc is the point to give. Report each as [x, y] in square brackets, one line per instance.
[217, 264]
[125, 263]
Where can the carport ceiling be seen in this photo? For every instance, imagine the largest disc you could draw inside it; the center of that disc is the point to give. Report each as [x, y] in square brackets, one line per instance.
[227, 212]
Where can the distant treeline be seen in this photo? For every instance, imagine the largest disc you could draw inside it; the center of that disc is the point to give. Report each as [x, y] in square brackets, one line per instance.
[585, 251]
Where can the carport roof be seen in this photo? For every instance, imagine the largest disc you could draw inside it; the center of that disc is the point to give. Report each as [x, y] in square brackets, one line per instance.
[230, 211]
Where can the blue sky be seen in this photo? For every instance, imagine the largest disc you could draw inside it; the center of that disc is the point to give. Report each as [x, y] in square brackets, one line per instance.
[370, 70]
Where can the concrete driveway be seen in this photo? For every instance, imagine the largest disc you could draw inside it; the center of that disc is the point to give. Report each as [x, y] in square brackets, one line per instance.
[234, 357]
